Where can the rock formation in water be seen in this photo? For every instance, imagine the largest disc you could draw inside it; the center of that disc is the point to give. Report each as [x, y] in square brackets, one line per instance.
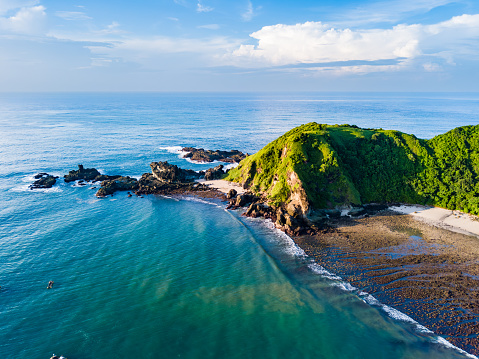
[86, 174]
[110, 186]
[202, 155]
[43, 180]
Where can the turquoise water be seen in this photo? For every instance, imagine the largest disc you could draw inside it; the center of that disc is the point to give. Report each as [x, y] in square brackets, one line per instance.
[158, 277]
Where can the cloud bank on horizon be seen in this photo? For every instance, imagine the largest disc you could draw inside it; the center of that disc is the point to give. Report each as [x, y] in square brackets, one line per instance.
[185, 45]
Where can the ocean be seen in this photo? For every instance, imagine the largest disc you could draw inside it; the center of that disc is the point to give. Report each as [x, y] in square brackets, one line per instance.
[160, 277]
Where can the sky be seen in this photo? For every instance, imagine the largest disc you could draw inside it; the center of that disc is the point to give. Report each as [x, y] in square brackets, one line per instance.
[239, 45]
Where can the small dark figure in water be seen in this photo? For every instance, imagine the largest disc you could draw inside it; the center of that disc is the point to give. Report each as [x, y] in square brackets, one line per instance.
[50, 284]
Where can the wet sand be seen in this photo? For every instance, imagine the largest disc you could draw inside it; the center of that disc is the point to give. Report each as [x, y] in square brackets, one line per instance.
[427, 272]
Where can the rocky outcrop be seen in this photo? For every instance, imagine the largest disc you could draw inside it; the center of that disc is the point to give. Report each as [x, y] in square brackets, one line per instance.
[150, 184]
[86, 174]
[43, 180]
[165, 172]
[214, 173]
[202, 155]
[110, 186]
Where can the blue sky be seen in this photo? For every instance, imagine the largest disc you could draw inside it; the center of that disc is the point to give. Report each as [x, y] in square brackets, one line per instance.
[243, 45]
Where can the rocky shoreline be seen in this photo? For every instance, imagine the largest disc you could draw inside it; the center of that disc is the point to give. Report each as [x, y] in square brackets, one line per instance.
[164, 179]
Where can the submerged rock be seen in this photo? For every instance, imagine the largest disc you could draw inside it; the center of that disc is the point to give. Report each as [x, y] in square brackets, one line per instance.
[43, 180]
[87, 174]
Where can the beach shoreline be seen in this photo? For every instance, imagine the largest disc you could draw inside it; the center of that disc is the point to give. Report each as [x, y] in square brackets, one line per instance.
[416, 259]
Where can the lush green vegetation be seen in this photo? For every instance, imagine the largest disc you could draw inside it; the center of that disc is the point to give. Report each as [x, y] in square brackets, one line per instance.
[347, 165]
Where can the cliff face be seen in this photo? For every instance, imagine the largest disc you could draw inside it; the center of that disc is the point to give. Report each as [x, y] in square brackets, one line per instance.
[317, 166]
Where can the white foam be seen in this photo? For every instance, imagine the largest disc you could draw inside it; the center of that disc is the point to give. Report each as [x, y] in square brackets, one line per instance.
[230, 166]
[177, 150]
[316, 268]
[441, 340]
[396, 314]
[345, 286]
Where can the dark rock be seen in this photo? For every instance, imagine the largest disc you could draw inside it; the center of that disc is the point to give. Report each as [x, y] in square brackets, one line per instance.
[165, 172]
[202, 155]
[87, 174]
[150, 184]
[214, 173]
[40, 175]
[231, 194]
[357, 211]
[332, 213]
[119, 184]
[257, 210]
[43, 180]
[374, 208]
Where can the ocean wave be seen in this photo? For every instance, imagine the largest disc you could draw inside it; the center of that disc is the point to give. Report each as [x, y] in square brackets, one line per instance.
[200, 200]
[26, 188]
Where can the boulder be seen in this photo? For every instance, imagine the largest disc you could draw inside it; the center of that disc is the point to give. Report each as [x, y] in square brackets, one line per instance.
[244, 199]
[231, 194]
[257, 210]
[43, 180]
[214, 173]
[87, 174]
[119, 184]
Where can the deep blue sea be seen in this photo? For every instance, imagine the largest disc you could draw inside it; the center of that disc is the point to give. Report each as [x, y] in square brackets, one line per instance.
[160, 277]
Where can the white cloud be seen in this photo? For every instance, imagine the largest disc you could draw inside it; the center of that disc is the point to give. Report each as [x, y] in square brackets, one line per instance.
[72, 15]
[202, 8]
[249, 13]
[318, 43]
[210, 27]
[28, 20]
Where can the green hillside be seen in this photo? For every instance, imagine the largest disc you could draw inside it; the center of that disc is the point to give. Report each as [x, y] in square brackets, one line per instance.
[317, 166]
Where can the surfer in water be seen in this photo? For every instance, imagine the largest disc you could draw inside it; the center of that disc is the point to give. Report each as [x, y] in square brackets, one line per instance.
[50, 284]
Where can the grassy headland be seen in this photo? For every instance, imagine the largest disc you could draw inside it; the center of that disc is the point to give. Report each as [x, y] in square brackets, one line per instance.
[316, 166]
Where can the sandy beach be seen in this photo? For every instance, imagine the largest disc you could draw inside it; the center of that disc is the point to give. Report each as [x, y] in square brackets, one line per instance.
[452, 220]
[223, 186]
